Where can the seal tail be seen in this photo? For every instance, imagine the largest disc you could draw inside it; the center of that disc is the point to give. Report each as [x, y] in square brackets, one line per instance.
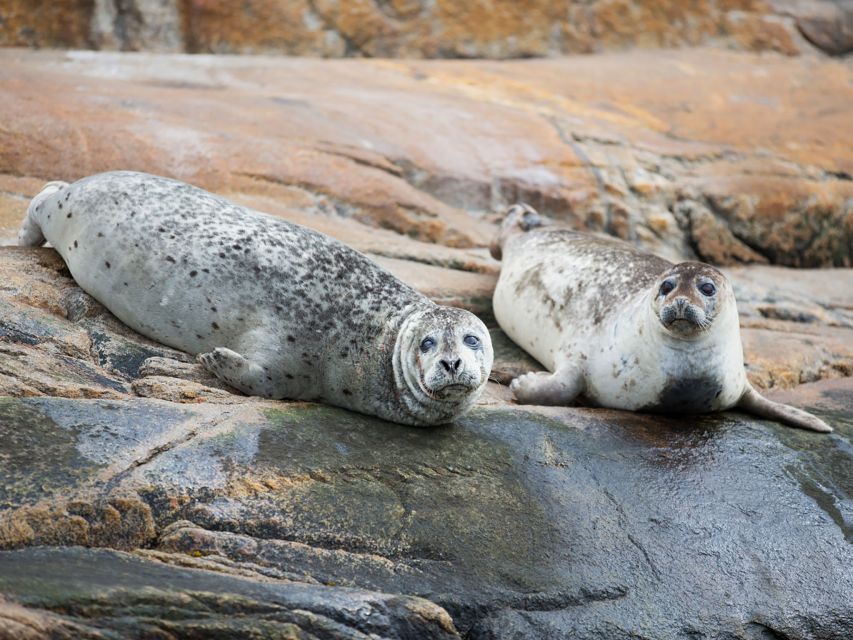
[519, 218]
[31, 234]
[753, 402]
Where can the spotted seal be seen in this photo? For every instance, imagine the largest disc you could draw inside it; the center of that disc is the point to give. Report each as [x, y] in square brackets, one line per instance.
[622, 328]
[272, 308]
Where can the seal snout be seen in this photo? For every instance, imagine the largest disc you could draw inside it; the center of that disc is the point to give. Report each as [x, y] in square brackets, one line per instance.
[684, 311]
[450, 377]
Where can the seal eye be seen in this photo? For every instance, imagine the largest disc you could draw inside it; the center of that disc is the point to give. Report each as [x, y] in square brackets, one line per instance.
[427, 344]
[472, 342]
[666, 287]
[708, 289]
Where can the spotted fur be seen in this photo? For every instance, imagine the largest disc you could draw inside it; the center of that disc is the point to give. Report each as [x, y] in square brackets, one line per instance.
[623, 328]
[271, 307]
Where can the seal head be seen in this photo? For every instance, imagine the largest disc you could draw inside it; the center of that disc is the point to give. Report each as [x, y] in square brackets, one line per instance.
[689, 297]
[442, 360]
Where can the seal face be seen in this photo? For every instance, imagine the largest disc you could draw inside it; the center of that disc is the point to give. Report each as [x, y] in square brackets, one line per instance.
[272, 308]
[688, 298]
[444, 358]
[623, 328]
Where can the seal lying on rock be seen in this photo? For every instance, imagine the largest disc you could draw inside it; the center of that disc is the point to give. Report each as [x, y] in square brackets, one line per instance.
[272, 308]
[624, 328]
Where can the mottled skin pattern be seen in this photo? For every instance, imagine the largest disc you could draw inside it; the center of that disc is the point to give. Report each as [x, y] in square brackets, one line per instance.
[622, 328]
[272, 308]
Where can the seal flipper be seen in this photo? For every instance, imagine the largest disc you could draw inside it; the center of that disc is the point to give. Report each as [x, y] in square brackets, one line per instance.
[519, 218]
[551, 389]
[753, 402]
[31, 234]
[238, 371]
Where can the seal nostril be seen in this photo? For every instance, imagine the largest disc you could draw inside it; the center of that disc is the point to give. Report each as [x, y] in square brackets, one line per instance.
[451, 366]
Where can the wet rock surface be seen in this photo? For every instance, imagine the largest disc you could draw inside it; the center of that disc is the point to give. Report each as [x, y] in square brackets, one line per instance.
[139, 495]
[518, 523]
[81, 593]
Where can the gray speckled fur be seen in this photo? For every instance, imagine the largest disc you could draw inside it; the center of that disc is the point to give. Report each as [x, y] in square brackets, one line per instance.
[274, 308]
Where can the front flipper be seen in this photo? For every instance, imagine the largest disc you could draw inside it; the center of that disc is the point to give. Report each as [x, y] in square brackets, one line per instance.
[237, 371]
[752, 402]
[554, 389]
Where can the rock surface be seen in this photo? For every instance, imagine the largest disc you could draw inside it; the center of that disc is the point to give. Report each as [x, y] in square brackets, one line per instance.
[828, 25]
[517, 523]
[86, 594]
[727, 157]
[139, 495]
[420, 28]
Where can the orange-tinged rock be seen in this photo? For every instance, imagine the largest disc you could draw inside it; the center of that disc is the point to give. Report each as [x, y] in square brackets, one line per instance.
[802, 223]
[756, 32]
[721, 156]
[45, 23]
[289, 27]
[795, 355]
[411, 28]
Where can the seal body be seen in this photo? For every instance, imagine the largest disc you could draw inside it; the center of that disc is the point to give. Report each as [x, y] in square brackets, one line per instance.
[272, 308]
[623, 328]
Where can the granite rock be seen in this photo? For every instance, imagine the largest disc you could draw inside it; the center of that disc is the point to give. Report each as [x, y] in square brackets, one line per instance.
[421, 29]
[680, 153]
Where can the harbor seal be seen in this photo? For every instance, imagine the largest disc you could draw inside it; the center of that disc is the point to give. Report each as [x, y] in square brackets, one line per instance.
[272, 308]
[622, 328]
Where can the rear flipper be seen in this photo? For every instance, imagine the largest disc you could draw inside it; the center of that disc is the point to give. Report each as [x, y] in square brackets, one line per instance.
[752, 402]
[519, 218]
[31, 234]
[239, 372]
[543, 388]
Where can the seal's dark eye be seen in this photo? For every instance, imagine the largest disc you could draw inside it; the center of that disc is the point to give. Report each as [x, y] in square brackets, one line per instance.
[427, 344]
[472, 341]
[708, 289]
[666, 287]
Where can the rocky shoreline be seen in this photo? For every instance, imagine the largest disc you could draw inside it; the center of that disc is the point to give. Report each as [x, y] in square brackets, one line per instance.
[138, 496]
